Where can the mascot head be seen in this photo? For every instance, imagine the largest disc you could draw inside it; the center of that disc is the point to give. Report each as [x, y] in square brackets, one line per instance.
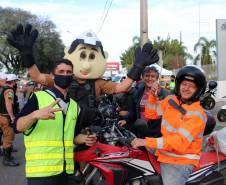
[87, 55]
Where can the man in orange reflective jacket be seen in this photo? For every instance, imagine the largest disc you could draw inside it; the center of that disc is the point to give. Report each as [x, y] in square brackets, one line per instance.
[182, 127]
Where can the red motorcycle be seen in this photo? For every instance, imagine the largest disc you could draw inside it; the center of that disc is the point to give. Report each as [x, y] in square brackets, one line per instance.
[113, 161]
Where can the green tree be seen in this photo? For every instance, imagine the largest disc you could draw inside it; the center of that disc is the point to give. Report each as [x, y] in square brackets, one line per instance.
[205, 49]
[174, 52]
[48, 47]
[127, 58]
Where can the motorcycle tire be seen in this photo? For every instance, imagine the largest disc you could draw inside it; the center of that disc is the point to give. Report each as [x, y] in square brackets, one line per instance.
[208, 103]
[221, 115]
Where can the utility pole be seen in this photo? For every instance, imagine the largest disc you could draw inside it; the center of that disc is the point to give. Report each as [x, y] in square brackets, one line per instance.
[199, 60]
[143, 22]
[199, 20]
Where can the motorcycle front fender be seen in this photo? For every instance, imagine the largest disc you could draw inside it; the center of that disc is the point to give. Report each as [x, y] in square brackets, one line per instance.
[114, 174]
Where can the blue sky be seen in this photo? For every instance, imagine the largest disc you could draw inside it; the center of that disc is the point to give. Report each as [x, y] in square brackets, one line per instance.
[165, 18]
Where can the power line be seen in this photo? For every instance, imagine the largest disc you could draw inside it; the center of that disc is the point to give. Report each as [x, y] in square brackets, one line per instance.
[104, 18]
[104, 10]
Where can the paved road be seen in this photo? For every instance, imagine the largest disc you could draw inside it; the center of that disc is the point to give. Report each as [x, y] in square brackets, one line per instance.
[16, 176]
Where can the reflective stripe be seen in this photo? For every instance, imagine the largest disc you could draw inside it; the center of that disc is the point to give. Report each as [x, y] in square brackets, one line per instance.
[196, 113]
[192, 113]
[43, 143]
[154, 106]
[186, 134]
[159, 110]
[48, 156]
[160, 143]
[41, 169]
[200, 135]
[168, 127]
[48, 144]
[150, 105]
[68, 143]
[188, 156]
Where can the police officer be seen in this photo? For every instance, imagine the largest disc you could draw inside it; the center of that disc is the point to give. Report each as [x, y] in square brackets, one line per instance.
[7, 117]
[48, 122]
[2, 83]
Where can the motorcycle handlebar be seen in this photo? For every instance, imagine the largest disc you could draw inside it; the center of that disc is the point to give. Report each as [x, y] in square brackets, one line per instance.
[113, 133]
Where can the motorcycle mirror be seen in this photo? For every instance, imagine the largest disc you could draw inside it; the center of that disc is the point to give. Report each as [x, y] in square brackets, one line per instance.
[212, 84]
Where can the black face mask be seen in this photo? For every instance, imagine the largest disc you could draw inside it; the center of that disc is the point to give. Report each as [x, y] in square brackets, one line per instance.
[63, 81]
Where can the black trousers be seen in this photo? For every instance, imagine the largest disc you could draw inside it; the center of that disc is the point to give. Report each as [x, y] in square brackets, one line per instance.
[61, 179]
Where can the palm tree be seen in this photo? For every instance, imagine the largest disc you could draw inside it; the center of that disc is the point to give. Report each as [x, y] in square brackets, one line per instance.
[207, 50]
[174, 52]
[127, 58]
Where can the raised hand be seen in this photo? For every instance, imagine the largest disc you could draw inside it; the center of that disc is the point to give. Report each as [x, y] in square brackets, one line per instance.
[146, 56]
[155, 89]
[23, 39]
[143, 57]
[47, 112]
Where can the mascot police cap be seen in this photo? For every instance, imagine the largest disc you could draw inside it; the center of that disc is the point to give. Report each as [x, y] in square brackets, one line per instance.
[87, 55]
[89, 37]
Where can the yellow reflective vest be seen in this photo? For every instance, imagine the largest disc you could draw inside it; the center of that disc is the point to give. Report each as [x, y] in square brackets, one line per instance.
[49, 147]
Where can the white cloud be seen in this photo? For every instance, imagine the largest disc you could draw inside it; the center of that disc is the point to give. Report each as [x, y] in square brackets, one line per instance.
[123, 20]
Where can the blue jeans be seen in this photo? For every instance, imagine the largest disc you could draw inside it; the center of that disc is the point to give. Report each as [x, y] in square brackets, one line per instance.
[175, 174]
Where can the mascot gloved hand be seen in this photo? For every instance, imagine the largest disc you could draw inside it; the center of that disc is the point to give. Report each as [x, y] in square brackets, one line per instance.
[143, 57]
[23, 39]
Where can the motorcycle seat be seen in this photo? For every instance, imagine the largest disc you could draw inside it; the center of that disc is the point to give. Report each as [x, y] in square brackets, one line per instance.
[209, 158]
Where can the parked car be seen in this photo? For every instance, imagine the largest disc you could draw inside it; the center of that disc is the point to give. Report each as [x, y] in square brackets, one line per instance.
[118, 78]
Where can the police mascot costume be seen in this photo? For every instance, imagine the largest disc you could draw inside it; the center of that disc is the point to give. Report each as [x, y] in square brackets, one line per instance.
[89, 60]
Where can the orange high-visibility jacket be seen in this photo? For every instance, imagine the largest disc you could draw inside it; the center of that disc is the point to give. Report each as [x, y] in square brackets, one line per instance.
[150, 108]
[182, 135]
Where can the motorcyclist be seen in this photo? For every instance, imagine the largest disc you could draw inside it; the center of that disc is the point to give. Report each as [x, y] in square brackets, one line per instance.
[182, 128]
[2, 83]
